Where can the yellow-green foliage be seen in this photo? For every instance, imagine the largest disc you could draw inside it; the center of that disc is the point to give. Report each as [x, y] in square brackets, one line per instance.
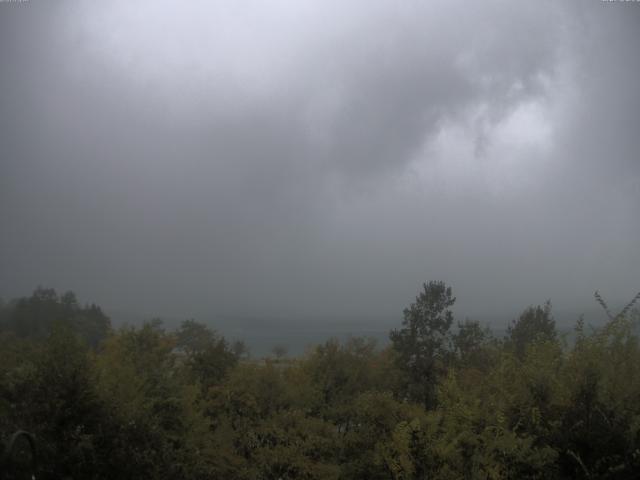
[155, 404]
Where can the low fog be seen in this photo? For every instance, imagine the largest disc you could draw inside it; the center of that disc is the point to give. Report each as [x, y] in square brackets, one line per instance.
[320, 160]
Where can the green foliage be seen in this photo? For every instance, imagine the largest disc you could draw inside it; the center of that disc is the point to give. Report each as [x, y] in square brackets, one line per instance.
[535, 323]
[600, 433]
[423, 344]
[149, 403]
[48, 390]
[36, 316]
[154, 426]
[340, 372]
[472, 345]
[208, 356]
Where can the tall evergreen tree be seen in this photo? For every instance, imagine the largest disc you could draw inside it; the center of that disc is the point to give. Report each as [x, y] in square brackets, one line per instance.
[423, 344]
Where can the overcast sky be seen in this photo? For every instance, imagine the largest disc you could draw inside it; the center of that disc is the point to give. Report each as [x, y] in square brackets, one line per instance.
[303, 159]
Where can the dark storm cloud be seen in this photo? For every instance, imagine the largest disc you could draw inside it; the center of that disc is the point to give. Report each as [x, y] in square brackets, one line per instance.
[289, 159]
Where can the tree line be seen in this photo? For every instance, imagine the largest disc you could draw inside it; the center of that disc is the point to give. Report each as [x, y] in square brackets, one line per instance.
[444, 400]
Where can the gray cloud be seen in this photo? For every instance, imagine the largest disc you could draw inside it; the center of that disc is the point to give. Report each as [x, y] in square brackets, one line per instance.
[307, 160]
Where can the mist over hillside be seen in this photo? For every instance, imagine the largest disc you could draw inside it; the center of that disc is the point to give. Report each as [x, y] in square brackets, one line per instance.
[329, 240]
[297, 335]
